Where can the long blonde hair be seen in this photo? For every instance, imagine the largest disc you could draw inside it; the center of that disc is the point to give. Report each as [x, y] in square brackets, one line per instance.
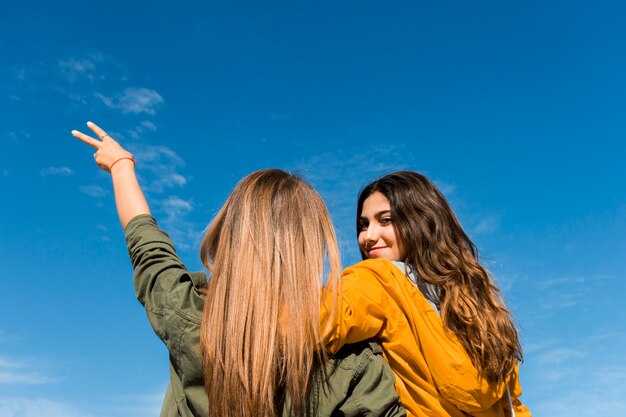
[268, 250]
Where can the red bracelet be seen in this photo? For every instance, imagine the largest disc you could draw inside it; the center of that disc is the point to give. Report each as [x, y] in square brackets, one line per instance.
[118, 160]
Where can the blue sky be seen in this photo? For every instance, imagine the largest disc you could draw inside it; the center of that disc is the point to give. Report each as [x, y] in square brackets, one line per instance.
[516, 109]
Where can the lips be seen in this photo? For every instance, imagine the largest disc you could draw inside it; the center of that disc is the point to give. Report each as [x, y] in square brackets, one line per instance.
[376, 249]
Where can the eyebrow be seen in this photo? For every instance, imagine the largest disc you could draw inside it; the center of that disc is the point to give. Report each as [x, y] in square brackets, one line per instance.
[377, 214]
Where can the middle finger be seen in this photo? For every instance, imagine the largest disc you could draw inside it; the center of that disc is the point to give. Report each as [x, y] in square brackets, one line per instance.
[97, 130]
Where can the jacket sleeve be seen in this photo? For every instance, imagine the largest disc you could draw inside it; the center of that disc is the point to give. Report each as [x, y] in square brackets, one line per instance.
[362, 311]
[162, 284]
[365, 383]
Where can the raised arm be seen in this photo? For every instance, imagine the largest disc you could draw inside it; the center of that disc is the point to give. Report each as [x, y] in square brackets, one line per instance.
[111, 157]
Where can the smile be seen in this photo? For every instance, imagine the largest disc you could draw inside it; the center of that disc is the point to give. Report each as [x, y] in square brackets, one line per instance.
[375, 250]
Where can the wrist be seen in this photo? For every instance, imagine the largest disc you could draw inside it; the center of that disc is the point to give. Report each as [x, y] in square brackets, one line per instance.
[121, 162]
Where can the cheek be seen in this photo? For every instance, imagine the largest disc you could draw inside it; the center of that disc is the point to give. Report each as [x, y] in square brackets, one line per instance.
[401, 247]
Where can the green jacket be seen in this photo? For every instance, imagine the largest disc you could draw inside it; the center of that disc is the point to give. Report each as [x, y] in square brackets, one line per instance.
[360, 382]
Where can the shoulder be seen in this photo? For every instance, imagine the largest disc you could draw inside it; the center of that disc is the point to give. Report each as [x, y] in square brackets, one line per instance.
[374, 267]
[377, 271]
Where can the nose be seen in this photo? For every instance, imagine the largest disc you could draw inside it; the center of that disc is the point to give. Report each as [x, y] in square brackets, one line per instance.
[371, 234]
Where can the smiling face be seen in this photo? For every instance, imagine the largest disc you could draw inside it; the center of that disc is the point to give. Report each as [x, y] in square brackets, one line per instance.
[377, 234]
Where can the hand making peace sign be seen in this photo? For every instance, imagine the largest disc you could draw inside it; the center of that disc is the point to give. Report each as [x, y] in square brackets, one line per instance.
[108, 151]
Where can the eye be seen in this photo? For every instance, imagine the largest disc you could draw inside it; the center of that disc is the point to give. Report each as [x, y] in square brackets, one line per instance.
[386, 220]
[362, 225]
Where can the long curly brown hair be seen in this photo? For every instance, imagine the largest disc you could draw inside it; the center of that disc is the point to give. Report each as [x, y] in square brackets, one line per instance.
[441, 253]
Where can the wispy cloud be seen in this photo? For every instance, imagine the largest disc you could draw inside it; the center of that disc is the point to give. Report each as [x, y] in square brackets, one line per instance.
[85, 79]
[17, 137]
[176, 210]
[74, 68]
[62, 171]
[339, 175]
[94, 190]
[597, 392]
[134, 100]
[280, 116]
[19, 372]
[158, 169]
[37, 407]
[141, 128]
[445, 187]
[486, 225]
[562, 294]
[93, 68]
[161, 165]
[176, 207]
[141, 404]
[23, 378]
[559, 356]
[583, 376]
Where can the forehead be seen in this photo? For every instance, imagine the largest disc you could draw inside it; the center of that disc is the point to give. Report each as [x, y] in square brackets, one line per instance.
[375, 204]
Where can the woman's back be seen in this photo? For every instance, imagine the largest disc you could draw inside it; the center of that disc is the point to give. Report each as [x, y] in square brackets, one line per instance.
[248, 341]
[357, 381]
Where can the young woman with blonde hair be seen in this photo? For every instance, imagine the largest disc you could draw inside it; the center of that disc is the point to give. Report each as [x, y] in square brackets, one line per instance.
[248, 342]
[438, 315]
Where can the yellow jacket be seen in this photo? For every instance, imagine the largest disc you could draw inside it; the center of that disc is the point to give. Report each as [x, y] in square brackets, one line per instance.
[434, 374]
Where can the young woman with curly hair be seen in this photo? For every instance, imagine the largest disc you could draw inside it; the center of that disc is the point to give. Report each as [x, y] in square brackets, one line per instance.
[423, 294]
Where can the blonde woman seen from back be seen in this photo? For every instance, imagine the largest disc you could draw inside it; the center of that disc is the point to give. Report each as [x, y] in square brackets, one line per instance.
[247, 342]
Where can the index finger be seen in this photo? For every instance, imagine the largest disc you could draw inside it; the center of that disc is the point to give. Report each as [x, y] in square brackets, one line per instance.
[95, 143]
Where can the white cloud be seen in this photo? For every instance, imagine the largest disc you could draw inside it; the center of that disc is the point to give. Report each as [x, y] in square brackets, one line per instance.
[172, 180]
[280, 116]
[94, 67]
[139, 405]
[24, 378]
[149, 125]
[162, 164]
[20, 73]
[184, 232]
[486, 225]
[339, 175]
[174, 206]
[62, 171]
[159, 155]
[37, 407]
[18, 372]
[559, 356]
[5, 363]
[598, 393]
[106, 100]
[134, 100]
[145, 125]
[446, 188]
[583, 375]
[73, 68]
[94, 190]
[143, 404]
[17, 137]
